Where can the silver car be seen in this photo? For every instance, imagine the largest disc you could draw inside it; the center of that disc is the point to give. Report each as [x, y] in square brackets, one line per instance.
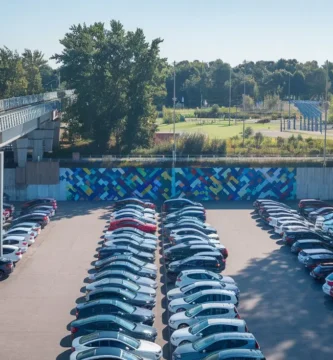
[142, 348]
[201, 297]
[205, 328]
[203, 312]
[233, 354]
[180, 292]
[187, 277]
[305, 254]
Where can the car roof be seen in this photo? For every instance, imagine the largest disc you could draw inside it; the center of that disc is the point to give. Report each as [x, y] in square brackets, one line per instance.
[320, 256]
[317, 251]
[328, 264]
[101, 302]
[193, 271]
[107, 351]
[203, 282]
[309, 241]
[226, 321]
[110, 289]
[106, 334]
[237, 353]
[215, 291]
[217, 305]
[196, 257]
[94, 318]
[13, 247]
[232, 335]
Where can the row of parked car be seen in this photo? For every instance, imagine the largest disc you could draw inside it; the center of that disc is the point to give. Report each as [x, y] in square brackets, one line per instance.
[116, 320]
[204, 321]
[23, 230]
[300, 230]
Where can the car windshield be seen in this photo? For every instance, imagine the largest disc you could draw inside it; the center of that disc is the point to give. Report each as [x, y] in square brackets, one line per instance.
[203, 343]
[198, 327]
[89, 337]
[185, 288]
[137, 261]
[194, 311]
[125, 323]
[126, 307]
[129, 340]
[127, 293]
[131, 285]
[192, 297]
[330, 277]
[86, 354]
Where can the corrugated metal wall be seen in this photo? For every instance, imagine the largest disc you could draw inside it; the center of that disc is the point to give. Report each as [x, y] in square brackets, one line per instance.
[314, 183]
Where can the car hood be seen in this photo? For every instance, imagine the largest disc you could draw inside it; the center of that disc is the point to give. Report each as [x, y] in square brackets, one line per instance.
[182, 333]
[149, 347]
[144, 297]
[177, 303]
[180, 316]
[143, 312]
[146, 290]
[174, 293]
[146, 329]
[184, 349]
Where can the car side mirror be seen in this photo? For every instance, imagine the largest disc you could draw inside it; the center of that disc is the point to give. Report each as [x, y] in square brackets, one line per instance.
[204, 350]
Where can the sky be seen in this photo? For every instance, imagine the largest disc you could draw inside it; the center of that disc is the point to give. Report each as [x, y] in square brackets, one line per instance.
[232, 30]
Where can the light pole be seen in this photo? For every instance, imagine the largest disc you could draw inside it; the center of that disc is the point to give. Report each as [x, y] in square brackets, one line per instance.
[174, 131]
[244, 106]
[1, 200]
[230, 94]
[326, 111]
[289, 103]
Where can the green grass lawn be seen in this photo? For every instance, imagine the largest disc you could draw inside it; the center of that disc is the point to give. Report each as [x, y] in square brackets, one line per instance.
[219, 130]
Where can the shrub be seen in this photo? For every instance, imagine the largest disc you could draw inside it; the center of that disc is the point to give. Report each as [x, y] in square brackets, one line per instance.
[248, 132]
[258, 138]
[280, 141]
[168, 116]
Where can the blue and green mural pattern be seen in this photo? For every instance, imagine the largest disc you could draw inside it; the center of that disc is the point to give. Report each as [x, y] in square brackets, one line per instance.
[197, 183]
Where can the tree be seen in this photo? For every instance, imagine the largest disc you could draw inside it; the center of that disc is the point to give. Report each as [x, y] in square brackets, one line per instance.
[13, 81]
[258, 138]
[32, 62]
[248, 132]
[116, 75]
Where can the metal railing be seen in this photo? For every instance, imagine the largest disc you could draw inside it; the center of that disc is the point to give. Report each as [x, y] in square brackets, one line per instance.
[19, 117]
[17, 102]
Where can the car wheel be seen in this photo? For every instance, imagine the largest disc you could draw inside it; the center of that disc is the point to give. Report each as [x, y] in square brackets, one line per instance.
[180, 310]
[2, 275]
[184, 342]
[181, 326]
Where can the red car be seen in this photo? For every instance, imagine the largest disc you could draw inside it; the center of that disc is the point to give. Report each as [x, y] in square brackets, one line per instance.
[129, 222]
[6, 213]
[121, 203]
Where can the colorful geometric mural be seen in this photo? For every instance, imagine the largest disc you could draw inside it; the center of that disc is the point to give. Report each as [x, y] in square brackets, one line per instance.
[116, 183]
[236, 183]
[196, 183]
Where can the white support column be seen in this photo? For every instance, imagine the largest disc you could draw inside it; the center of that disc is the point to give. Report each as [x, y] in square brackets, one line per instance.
[21, 151]
[56, 134]
[48, 129]
[37, 138]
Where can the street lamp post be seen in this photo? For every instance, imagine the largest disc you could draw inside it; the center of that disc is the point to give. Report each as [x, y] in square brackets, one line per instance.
[1, 199]
[244, 108]
[326, 112]
[230, 95]
[174, 131]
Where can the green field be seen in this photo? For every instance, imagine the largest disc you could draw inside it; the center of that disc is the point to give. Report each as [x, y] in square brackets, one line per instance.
[220, 130]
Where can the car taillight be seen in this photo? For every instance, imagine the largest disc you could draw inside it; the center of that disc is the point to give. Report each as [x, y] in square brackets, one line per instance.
[74, 330]
[257, 345]
[330, 283]
[76, 313]
[31, 234]
[218, 265]
[9, 266]
[269, 219]
[99, 255]
[18, 253]
[225, 252]
[73, 349]
[178, 279]
[300, 205]
[24, 243]
[45, 218]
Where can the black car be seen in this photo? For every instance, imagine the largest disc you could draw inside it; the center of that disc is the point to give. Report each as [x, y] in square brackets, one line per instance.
[322, 270]
[182, 239]
[187, 231]
[129, 236]
[124, 250]
[141, 246]
[127, 266]
[47, 209]
[106, 353]
[40, 201]
[124, 275]
[119, 204]
[43, 220]
[305, 206]
[6, 267]
[199, 214]
[182, 251]
[112, 323]
[115, 307]
[134, 231]
[109, 292]
[100, 264]
[194, 262]
[189, 223]
[290, 237]
[178, 203]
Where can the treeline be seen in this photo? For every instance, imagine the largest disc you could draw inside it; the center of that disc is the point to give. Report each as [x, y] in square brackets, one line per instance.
[198, 81]
[25, 74]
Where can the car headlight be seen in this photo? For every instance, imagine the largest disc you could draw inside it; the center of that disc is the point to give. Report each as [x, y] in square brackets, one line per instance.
[148, 302]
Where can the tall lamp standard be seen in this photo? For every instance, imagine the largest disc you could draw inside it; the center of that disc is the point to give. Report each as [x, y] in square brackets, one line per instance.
[244, 104]
[326, 105]
[174, 131]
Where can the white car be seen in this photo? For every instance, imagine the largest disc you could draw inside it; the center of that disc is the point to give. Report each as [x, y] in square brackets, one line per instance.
[187, 277]
[11, 252]
[110, 237]
[185, 238]
[18, 241]
[139, 208]
[282, 226]
[125, 284]
[22, 231]
[203, 312]
[328, 286]
[201, 297]
[29, 225]
[27, 237]
[129, 230]
[49, 209]
[303, 255]
[207, 327]
[180, 292]
[189, 231]
[142, 348]
[273, 219]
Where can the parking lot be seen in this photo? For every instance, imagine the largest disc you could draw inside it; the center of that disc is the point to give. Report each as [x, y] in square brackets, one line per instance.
[285, 309]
